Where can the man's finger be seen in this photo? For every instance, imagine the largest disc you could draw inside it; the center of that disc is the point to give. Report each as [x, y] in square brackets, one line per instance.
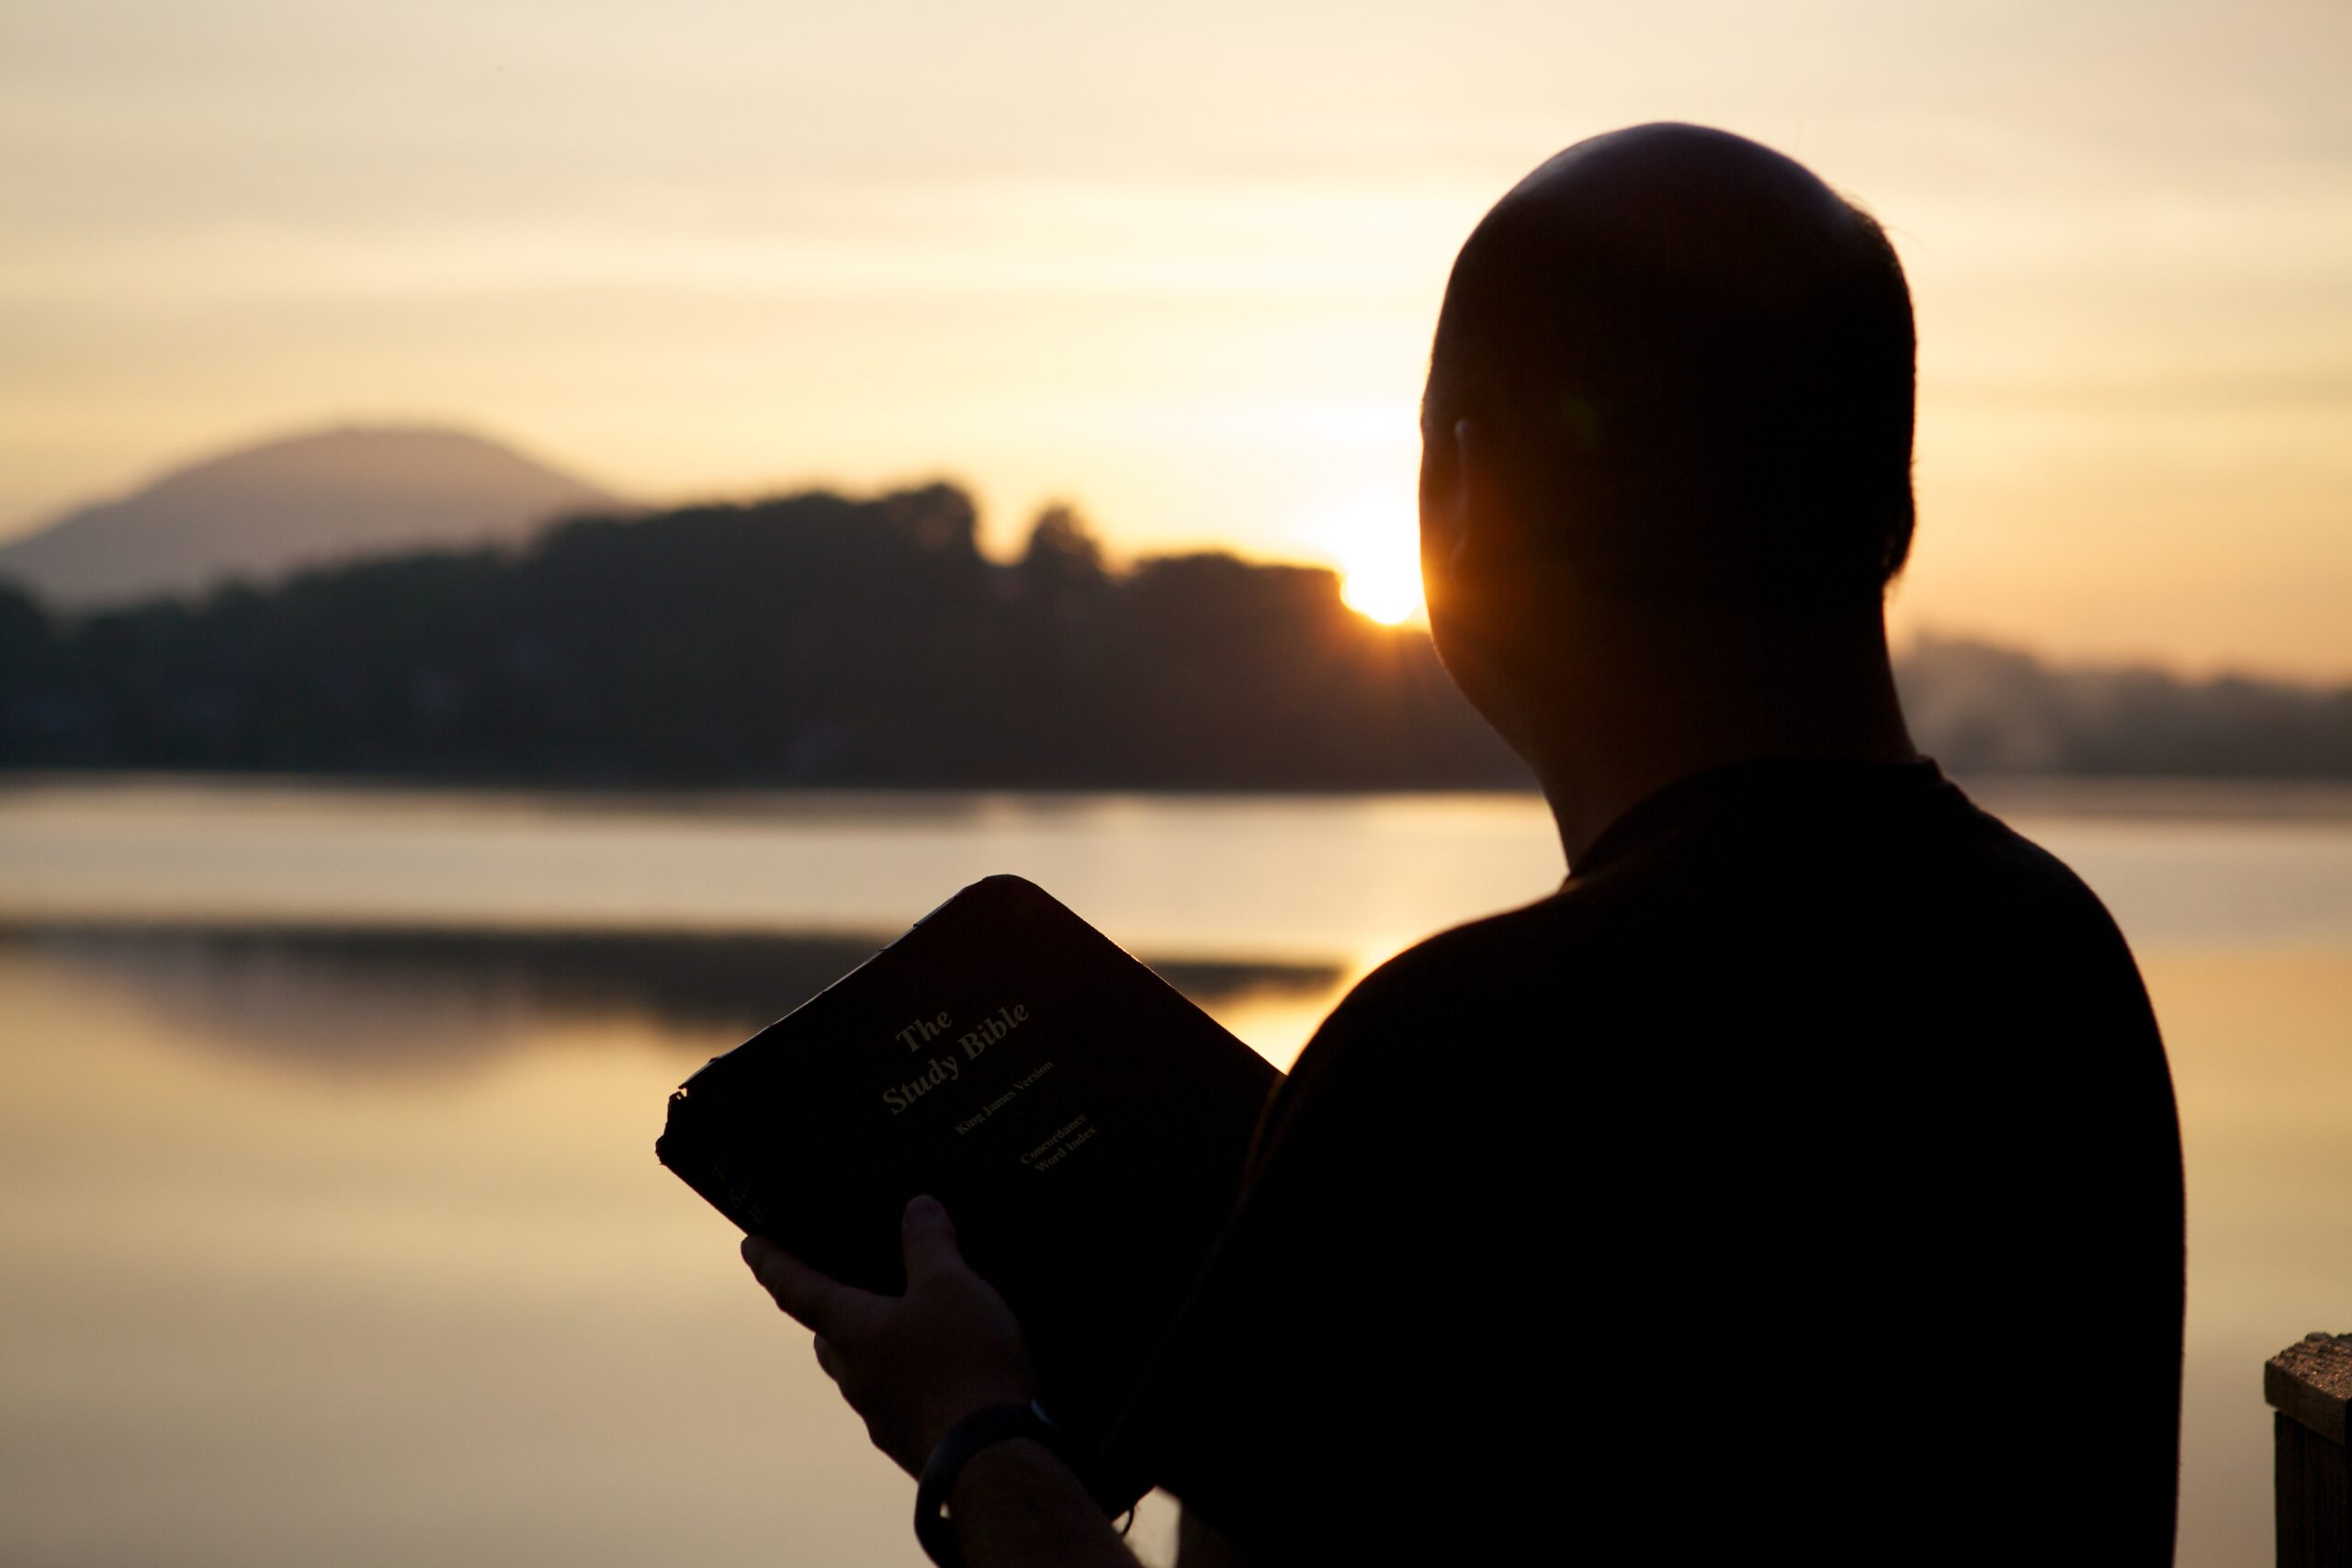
[829, 1360]
[928, 1239]
[808, 1297]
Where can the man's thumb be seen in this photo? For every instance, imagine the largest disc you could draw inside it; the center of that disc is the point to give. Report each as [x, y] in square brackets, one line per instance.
[928, 1236]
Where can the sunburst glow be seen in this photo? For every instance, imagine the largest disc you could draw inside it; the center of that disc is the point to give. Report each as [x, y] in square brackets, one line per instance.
[1375, 544]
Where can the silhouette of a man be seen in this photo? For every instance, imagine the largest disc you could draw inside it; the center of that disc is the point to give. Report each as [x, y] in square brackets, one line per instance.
[1779, 1183]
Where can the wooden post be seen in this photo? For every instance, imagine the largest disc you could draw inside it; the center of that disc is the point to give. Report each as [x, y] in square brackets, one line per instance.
[2310, 1385]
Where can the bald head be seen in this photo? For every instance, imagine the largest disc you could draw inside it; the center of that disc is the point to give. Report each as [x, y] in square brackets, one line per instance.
[1692, 365]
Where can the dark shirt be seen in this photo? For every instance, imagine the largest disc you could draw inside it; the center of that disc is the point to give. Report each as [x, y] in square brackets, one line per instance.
[1803, 1174]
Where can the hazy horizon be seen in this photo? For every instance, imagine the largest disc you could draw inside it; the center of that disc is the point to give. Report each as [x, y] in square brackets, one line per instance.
[1181, 270]
[1003, 536]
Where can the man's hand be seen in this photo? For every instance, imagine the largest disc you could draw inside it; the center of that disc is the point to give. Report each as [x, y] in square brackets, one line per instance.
[911, 1365]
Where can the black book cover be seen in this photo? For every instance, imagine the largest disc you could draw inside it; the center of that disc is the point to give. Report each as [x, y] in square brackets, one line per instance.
[1084, 1123]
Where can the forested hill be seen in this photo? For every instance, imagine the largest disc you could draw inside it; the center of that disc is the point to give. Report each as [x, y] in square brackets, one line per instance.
[811, 640]
[821, 640]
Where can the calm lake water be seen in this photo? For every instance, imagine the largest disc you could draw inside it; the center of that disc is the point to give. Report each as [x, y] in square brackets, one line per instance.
[329, 1229]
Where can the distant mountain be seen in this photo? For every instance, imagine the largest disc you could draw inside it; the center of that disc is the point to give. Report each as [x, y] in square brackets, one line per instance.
[306, 501]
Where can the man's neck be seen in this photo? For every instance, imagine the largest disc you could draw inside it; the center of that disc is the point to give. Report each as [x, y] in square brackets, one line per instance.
[1617, 724]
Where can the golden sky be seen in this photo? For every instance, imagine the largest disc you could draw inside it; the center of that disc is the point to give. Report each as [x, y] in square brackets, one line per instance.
[1180, 263]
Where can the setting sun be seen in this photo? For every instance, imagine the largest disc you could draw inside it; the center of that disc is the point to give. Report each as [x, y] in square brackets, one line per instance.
[1375, 547]
[1388, 589]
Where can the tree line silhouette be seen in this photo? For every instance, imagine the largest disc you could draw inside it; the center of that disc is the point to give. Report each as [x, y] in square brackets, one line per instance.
[812, 639]
[817, 639]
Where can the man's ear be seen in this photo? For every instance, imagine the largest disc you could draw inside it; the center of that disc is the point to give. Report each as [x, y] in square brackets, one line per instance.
[1463, 529]
[1480, 538]
[1468, 543]
[1440, 502]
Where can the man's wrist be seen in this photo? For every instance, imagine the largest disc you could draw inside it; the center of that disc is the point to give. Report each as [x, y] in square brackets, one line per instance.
[1019, 1504]
[1011, 1464]
[985, 1432]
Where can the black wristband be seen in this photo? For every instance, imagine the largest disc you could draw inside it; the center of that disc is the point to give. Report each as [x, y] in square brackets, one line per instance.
[993, 1424]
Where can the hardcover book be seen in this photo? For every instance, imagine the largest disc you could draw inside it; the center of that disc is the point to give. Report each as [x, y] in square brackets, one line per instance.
[1084, 1123]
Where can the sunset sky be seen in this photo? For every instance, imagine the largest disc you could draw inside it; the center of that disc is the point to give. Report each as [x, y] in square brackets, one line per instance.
[1178, 263]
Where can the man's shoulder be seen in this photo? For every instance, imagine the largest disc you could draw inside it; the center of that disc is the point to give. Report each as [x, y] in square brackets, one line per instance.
[1884, 910]
[1967, 892]
[1471, 990]
[1537, 942]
